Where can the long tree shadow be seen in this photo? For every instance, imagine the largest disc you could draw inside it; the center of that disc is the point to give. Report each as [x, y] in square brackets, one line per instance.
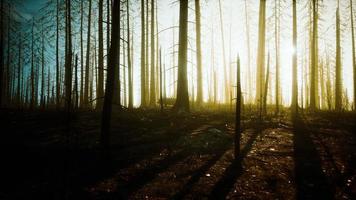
[151, 172]
[310, 179]
[233, 171]
[197, 174]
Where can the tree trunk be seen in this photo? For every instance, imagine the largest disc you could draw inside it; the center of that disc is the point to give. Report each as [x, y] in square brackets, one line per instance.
[130, 106]
[295, 76]
[157, 52]
[124, 66]
[58, 89]
[277, 42]
[110, 81]
[338, 86]
[68, 58]
[199, 55]
[100, 89]
[265, 93]
[353, 51]
[7, 76]
[160, 81]
[81, 55]
[143, 56]
[117, 73]
[86, 84]
[182, 102]
[18, 101]
[226, 81]
[147, 84]
[2, 54]
[108, 7]
[260, 74]
[238, 110]
[48, 86]
[248, 54]
[314, 61]
[76, 82]
[42, 72]
[152, 83]
[322, 85]
[32, 100]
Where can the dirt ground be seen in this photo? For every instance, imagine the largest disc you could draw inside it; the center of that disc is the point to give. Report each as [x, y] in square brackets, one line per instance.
[164, 156]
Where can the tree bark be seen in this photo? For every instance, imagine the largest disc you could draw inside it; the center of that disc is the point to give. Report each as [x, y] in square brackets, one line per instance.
[32, 100]
[226, 81]
[160, 81]
[58, 89]
[277, 42]
[152, 81]
[130, 106]
[238, 110]
[86, 84]
[143, 56]
[42, 72]
[353, 51]
[2, 54]
[81, 56]
[260, 74]
[314, 61]
[110, 81]
[68, 58]
[338, 86]
[18, 101]
[199, 55]
[265, 93]
[294, 61]
[100, 89]
[182, 102]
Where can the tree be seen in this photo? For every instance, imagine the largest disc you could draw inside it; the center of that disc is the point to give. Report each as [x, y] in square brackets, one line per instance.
[81, 55]
[57, 57]
[182, 102]
[227, 85]
[86, 84]
[338, 86]
[353, 51]
[238, 110]
[260, 73]
[18, 99]
[248, 53]
[32, 100]
[147, 84]
[314, 59]
[152, 81]
[160, 81]
[117, 73]
[68, 57]
[1, 52]
[265, 93]
[277, 41]
[76, 82]
[199, 56]
[100, 89]
[143, 56]
[130, 106]
[295, 77]
[42, 70]
[110, 80]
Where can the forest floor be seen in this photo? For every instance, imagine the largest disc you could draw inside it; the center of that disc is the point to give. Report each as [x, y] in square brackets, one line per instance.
[164, 156]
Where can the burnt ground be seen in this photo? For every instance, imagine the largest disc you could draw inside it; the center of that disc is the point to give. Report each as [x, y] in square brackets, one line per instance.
[164, 156]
